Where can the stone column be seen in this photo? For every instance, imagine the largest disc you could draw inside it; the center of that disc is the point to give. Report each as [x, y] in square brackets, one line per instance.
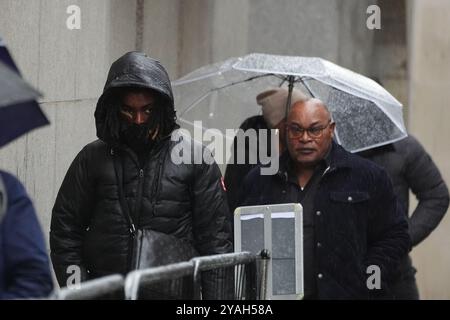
[429, 118]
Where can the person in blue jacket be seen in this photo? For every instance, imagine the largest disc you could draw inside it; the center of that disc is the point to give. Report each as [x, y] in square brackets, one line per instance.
[24, 263]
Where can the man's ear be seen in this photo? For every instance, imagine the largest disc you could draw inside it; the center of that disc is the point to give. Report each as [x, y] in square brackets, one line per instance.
[332, 127]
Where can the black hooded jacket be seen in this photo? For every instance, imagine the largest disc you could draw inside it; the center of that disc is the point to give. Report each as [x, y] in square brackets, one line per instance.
[411, 168]
[89, 228]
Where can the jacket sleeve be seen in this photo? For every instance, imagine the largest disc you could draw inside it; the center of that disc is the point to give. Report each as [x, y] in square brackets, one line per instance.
[251, 188]
[427, 184]
[212, 230]
[211, 226]
[70, 218]
[26, 265]
[388, 237]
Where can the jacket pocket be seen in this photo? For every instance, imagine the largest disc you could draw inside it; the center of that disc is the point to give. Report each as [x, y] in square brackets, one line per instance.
[349, 196]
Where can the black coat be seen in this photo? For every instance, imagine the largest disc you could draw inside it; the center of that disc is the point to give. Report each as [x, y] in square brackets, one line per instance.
[235, 173]
[88, 226]
[411, 168]
[356, 222]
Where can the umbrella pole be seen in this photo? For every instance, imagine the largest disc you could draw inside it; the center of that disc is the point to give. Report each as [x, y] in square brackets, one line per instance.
[291, 80]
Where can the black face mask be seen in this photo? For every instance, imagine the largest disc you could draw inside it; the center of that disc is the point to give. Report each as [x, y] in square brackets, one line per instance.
[137, 137]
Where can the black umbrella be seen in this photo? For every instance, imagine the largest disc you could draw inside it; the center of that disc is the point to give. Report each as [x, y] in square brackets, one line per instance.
[19, 111]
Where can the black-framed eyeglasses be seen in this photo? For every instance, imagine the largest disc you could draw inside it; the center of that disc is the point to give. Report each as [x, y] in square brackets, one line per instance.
[295, 131]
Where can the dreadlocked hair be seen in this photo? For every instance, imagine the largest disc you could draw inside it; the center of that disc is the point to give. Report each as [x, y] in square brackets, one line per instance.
[163, 117]
[112, 126]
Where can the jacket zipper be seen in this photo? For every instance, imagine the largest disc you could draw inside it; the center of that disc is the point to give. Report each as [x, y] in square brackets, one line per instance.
[156, 184]
[139, 195]
[131, 227]
[141, 191]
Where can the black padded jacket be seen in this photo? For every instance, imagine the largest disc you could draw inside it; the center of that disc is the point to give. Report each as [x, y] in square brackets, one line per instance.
[89, 228]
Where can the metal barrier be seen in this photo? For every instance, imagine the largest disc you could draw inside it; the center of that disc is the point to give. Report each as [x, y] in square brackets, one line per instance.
[109, 287]
[170, 278]
[232, 276]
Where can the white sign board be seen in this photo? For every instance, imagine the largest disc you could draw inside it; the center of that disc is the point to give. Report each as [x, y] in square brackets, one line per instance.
[279, 229]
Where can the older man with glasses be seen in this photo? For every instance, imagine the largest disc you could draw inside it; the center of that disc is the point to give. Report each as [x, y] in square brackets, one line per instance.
[354, 236]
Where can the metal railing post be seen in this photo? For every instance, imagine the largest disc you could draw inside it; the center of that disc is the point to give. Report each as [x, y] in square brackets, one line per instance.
[265, 257]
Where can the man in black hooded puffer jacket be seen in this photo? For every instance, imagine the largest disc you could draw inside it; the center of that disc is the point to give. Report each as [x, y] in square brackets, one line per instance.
[135, 121]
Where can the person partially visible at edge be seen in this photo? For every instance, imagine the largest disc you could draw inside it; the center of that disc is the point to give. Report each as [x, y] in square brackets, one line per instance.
[411, 168]
[273, 106]
[135, 120]
[350, 215]
[24, 264]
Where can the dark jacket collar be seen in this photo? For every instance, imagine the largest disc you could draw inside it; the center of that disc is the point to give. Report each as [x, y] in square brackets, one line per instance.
[339, 157]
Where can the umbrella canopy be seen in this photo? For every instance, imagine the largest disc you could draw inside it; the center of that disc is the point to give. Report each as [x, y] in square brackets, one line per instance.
[222, 95]
[19, 111]
[6, 58]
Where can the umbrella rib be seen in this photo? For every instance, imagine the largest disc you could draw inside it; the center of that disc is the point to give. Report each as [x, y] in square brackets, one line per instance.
[220, 88]
[307, 87]
[242, 81]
